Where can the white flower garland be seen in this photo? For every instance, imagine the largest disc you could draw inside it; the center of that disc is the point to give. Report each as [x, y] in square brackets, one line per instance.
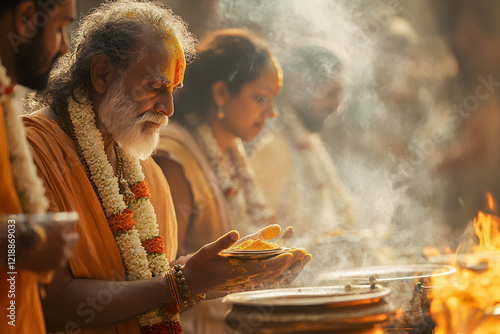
[29, 186]
[236, 179]
[144, 214]
[138, 264]
[5, 82]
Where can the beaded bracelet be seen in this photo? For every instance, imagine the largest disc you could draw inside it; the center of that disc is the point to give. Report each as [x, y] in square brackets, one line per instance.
[174, 287]
[199, 298]
[185, 293]
[180, 279]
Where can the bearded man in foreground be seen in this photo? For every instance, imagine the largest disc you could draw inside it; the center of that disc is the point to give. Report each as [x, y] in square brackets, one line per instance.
[92, 146]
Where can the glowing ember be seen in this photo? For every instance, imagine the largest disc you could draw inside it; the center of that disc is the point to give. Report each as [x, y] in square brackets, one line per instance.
[471, 303]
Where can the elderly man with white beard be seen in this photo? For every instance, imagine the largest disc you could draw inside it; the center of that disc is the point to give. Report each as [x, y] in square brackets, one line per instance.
[92, 143]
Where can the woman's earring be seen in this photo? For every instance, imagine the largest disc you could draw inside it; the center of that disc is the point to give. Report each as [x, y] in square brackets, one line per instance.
[220, 113]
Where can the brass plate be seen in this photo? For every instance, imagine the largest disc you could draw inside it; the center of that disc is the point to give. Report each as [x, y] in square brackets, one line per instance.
[253, 254]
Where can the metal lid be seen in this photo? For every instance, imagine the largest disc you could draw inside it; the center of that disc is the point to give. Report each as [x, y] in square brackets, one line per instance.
[310, 296]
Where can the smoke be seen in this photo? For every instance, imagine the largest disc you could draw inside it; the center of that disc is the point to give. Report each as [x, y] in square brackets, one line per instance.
[379, 137]
[285, 23]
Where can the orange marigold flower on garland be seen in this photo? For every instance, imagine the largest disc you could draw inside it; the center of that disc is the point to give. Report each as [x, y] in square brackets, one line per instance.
[141, 190]
[163, 328]
[168, 309]
[123, 222]
[9, 90]
[154, 245]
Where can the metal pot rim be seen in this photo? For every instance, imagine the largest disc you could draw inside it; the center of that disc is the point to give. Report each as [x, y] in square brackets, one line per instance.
[410, 272]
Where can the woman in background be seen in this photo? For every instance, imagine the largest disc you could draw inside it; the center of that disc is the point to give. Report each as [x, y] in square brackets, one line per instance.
[227, 97]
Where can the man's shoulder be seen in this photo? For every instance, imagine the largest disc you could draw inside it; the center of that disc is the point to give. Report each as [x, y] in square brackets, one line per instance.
[45, 135]
[39, 121]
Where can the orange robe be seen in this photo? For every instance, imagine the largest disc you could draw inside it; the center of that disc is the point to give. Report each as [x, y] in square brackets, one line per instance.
[68, 189]
[28, 311]
[212, 219]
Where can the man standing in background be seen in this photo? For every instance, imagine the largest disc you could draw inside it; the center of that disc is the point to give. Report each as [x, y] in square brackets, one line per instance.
[32, 37]
[301, 181]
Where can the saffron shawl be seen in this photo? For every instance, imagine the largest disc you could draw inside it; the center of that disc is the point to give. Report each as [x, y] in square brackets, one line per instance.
[29, 317]
[68, 189]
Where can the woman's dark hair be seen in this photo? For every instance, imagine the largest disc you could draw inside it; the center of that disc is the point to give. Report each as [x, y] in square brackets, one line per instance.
[233, 56]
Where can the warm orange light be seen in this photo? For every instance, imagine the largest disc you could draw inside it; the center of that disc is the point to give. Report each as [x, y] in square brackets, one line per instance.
[487, 230]
[430, 252]
[492, 204]
[470, 303]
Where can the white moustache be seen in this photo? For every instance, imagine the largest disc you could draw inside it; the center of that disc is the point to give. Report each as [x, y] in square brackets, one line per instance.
[153, 117]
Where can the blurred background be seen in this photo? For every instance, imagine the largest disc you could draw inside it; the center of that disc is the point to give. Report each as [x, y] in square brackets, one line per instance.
[416, 137]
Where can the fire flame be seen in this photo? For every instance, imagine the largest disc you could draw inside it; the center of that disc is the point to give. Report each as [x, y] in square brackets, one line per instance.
[487, 230]
[492, 204]
[469, 302]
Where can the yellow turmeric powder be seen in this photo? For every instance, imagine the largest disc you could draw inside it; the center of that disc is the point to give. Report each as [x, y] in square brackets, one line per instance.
[256, 245]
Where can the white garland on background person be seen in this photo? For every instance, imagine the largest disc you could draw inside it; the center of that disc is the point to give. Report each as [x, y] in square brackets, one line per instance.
[29, 186]
[318, 170]
[236, 180]
[138, 263]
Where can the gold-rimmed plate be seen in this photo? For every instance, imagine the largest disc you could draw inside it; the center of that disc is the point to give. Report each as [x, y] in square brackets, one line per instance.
[253, 254]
